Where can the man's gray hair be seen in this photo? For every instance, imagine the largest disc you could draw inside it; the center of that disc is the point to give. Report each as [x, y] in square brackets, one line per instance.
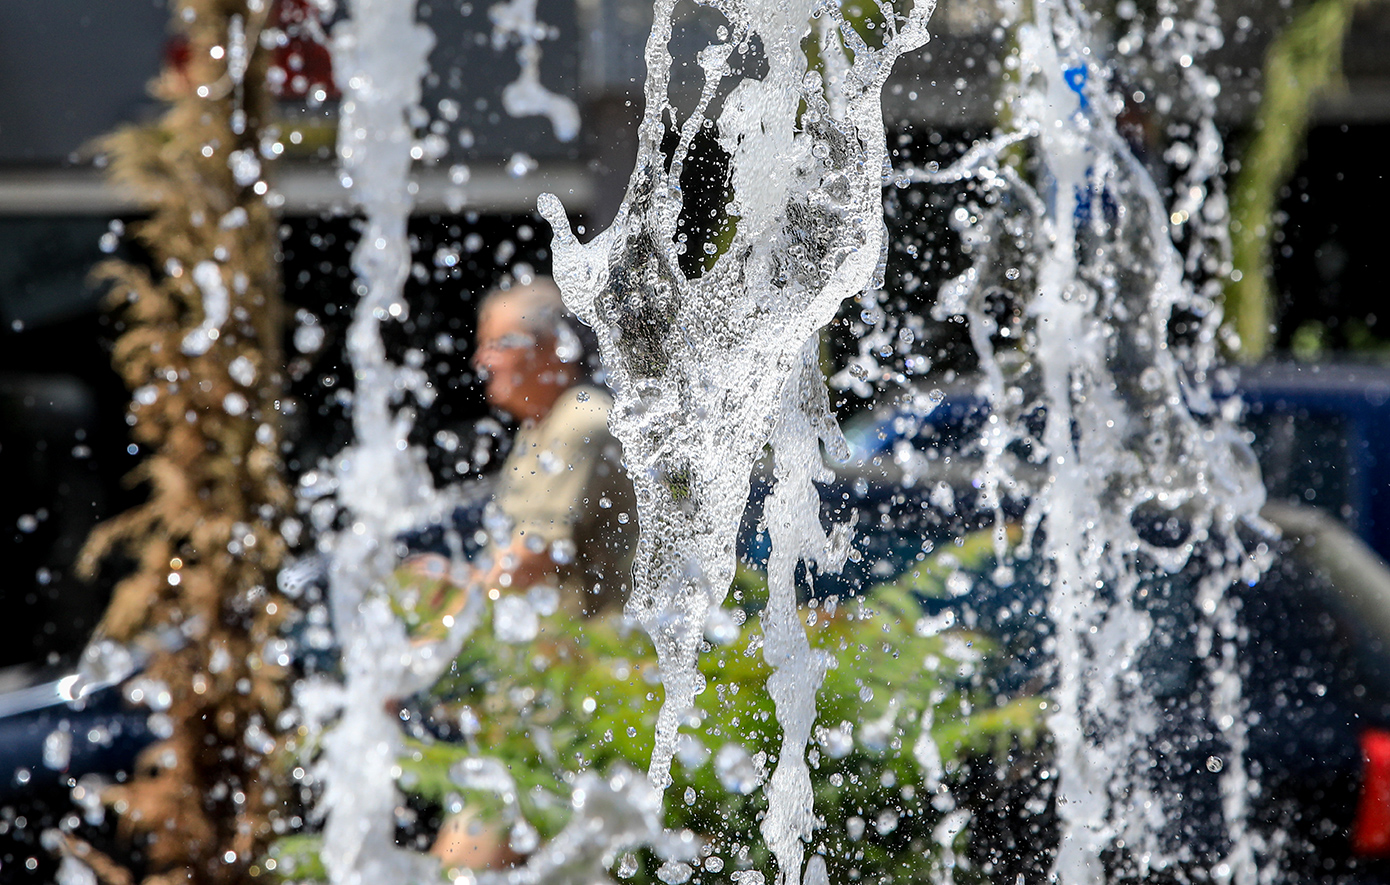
[543, 313]
[538, 303]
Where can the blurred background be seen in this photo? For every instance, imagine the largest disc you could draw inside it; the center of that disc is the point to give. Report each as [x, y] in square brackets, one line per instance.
[73, 71]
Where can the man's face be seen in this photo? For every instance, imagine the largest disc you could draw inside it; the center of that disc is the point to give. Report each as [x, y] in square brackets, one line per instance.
[520, 373]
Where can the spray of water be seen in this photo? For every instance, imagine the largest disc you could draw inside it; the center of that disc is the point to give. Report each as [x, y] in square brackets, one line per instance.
[708, 369]
[383, 486]
[1074, 302]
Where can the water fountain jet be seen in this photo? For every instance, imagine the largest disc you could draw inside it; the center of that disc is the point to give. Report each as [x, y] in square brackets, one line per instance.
[708, 369]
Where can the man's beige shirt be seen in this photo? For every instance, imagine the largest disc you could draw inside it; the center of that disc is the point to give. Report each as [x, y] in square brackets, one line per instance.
[564, 484]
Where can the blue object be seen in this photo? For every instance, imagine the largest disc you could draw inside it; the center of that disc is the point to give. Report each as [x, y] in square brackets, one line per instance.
[1321, 432]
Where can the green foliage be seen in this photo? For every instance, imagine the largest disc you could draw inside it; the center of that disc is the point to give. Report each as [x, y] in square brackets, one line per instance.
[296, 858]
[930, 578]
[584, 695]
[1300, 65]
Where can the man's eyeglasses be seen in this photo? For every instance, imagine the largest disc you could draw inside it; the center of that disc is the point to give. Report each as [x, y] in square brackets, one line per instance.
[509, 341]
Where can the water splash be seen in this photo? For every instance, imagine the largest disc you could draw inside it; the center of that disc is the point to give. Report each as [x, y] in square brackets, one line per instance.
[708, 369]
[612, 815]
[1074, 300]
[515, 20]
[382, 483]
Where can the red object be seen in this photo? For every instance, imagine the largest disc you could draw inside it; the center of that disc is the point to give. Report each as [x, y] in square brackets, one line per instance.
[303, 64]
[177, 53]
[1370, 833]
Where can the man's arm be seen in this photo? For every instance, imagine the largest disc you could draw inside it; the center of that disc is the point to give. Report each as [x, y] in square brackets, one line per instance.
[516, 568]
[519, 568]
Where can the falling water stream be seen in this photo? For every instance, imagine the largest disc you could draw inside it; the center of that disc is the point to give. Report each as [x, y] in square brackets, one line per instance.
[1089, 376]
[382, 484]
[709, 369]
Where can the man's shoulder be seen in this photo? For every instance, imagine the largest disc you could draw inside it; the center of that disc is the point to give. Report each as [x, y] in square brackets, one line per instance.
[583, 407]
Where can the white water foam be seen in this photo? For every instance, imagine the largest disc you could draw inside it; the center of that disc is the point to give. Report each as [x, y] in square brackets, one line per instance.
[708, 369]
[1130, 431]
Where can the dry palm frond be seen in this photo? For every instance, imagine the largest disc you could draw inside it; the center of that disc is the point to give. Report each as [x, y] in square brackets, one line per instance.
[213, 472]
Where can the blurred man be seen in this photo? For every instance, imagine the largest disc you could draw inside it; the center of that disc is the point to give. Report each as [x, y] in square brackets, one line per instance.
[562, 512]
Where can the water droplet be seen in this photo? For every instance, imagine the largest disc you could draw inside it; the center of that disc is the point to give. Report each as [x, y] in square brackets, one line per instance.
[736, 770]
[544, 598]
[514, 619]
[234, 404]
[887, 822]
[854, 827]
[1151, 379]
[521, 165]
[524, 838]
[837, 742]
[243, 371]
[562, 552]
[57, 749]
